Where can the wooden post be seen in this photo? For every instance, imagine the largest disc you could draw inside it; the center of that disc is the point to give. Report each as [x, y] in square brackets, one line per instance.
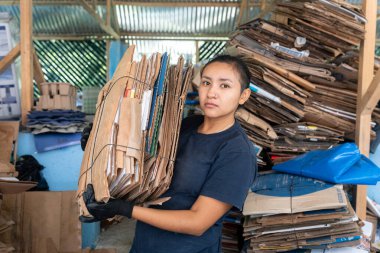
[26, 58]
[197, 51]
[108, 46]
[363, 120]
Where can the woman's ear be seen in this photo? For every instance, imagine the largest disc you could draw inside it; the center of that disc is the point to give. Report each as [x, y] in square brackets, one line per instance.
[244, 96]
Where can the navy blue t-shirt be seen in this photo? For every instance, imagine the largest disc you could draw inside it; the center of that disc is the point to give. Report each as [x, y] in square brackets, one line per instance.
[221, 166]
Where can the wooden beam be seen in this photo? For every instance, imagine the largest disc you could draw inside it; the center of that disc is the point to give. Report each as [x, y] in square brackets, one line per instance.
[197, 51]
[9, 58]
[114, 18]
[108, 46]
[135, 35]
[107, 28]
[366, 65]
[242, 12]
[109, 12]
[178, 4]
[26, 58]
[372, 96]
[254, 3]
[37, 71]
[222, 36]
[70, 36]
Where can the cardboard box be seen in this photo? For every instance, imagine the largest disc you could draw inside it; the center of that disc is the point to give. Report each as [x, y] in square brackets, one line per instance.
[63, 102]
[44, 218]
[13, 187]
[57, 88]
[8, 146]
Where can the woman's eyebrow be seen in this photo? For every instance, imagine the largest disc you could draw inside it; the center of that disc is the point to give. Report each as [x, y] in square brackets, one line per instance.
[206, 77]
[225, 79]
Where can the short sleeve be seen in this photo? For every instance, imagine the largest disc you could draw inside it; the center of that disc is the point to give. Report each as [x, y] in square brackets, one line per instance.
[230, 177]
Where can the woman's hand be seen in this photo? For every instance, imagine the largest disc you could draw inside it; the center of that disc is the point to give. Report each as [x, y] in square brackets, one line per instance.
[101, 211]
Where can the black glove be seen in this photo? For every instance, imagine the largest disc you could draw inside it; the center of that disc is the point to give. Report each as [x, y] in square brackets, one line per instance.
[85, 134]
[102, 211]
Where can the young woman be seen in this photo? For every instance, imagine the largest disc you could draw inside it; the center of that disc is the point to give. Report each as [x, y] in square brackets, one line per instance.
[214, 168]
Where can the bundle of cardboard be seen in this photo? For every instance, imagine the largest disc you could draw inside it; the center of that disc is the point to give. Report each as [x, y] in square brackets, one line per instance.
[285, 212]
[303, 64]
[57, 96]
[231, 232]
[132, 146]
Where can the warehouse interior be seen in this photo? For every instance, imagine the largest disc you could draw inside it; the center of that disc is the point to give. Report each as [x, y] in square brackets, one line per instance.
[313, 118]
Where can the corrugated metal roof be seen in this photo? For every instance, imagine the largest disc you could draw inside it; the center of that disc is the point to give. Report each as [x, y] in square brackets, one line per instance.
[58, 20]
[207, 18]
[177, 20]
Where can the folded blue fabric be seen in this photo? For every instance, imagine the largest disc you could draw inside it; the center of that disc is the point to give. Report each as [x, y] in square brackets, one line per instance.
[342, 164]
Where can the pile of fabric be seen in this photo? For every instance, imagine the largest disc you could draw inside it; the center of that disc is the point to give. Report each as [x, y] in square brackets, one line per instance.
[132, 146]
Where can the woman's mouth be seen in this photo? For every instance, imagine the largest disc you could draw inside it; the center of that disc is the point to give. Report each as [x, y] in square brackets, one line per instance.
[210, 105]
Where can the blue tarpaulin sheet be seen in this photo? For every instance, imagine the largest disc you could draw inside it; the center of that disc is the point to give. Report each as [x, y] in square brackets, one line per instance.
[342, 164]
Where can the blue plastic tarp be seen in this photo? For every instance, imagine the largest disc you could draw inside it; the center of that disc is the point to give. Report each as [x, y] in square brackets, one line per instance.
[342, 164]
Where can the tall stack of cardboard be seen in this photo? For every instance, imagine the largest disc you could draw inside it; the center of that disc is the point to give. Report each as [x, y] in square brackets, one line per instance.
[57, 96]
[303, 64]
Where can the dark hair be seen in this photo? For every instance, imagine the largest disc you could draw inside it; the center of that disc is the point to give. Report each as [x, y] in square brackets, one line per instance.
[237, 64]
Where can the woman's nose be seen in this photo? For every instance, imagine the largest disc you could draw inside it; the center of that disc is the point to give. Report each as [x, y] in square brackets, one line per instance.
[211, 92]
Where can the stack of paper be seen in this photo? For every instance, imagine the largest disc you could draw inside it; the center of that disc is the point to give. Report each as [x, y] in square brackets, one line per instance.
[132, 146]
[285, 212]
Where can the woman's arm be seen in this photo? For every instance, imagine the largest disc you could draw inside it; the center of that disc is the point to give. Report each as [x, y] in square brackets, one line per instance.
[202, 215]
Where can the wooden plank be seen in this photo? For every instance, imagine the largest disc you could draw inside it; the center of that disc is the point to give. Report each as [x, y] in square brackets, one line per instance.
[178, 4]
[26, 58]
[253, 3]
[137, 35]
[114, 20]
[366, 64]
[372, 96]
[107, 28]
[242, 12]
[109, 12]
[196, 51]
[108, 45]
[37, 71]
[9, 58]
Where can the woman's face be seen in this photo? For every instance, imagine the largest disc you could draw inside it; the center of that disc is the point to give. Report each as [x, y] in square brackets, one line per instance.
[220, 90]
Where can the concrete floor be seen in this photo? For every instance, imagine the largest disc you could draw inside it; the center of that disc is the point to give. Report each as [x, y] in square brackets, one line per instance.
[119, 236]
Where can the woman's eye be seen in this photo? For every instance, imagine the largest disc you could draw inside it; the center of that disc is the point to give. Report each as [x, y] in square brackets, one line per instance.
[223, 85]
[205, 83]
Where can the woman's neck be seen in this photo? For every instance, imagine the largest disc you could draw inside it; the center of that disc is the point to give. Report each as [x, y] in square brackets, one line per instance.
[215, 125]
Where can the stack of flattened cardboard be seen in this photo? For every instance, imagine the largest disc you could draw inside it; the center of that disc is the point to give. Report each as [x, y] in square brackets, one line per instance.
[132, 146]
[304, 69]
[285, 212]
[232, 232]
[57, 121]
